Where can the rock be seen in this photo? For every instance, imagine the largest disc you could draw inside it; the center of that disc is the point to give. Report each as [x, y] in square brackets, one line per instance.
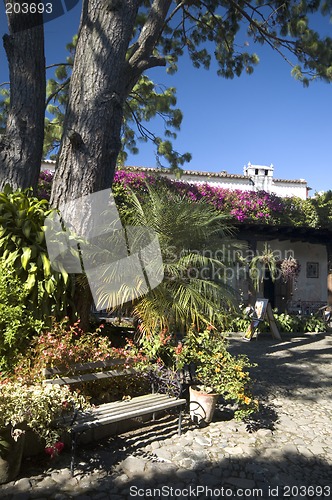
[164, 454]
[188, 463]
[133, 466]
[154, 469]
[235, 450]
[155, 445]
[264, 433]
[121, 480]
[22, 485]
[203, 441]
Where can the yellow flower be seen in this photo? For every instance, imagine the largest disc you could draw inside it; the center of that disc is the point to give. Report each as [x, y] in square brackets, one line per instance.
[217, 369]
[247, 400]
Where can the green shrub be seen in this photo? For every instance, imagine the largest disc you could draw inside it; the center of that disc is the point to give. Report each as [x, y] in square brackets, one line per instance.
[23, 246]
[289, 323]
[17, 322]
[237, 323]
[313, 324]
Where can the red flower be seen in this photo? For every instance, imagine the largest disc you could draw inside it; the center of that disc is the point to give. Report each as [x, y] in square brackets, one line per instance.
[179, 348]
[59, 446]
[55, 450]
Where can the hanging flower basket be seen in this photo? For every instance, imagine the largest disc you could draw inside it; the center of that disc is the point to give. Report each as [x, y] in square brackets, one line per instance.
[290, 269]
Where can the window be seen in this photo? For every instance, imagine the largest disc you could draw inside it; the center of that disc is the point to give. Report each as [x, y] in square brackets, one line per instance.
[312, 269]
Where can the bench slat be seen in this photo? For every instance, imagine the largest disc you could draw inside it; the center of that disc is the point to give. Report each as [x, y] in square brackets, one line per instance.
[142, 405]
[120, 406]
[86, 377]
[92, 365]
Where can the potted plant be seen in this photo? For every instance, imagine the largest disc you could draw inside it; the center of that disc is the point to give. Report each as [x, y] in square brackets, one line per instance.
[36, 407]
[290, 269]
[218, 373]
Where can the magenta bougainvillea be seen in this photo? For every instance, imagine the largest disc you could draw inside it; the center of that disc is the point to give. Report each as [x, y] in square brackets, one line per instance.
[45, 184]
[241, 206]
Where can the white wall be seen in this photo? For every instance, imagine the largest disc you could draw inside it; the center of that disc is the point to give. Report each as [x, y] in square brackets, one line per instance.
[290, 189]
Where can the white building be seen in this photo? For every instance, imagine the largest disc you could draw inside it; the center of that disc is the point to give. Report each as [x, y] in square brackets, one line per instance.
[254, 178]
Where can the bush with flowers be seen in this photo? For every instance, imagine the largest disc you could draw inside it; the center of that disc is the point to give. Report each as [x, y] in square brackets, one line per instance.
[217, 370]
[64, 345]
[37, 407]
[243, 206]
[163, 357]
[155, 358]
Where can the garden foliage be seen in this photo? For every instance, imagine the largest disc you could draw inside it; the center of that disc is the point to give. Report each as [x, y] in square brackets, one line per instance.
[17, 321]
[37, 407]
[217, 370]
[286, 323]
[193, 289]
[23, 246]
[65, 344]
[206, 351]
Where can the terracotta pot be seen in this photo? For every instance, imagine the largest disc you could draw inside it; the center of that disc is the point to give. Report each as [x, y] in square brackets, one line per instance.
[11, 452]
[201, 405]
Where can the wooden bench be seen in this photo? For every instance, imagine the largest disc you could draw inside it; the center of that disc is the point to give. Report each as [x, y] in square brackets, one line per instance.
[107, 413]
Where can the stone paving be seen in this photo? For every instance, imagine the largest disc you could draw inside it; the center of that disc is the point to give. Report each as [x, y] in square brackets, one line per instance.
[286, 452]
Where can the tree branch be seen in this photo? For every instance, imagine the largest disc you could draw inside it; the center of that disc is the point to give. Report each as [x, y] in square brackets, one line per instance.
[58, 64]
[56, 92]
[149, 37]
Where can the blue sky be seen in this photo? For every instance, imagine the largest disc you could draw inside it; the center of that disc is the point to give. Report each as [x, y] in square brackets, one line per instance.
[265, 118]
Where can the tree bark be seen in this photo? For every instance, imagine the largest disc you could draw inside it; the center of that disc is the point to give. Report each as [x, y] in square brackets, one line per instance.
[102, 78]
[21, 147]
[92, 130]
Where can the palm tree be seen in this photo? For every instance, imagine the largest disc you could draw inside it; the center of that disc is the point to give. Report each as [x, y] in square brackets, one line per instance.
[193, 237]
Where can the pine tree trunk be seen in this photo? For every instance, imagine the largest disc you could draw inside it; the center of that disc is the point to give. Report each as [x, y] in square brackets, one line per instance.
[21, 147]
[91, 140]
[83, 302]
[92, 130]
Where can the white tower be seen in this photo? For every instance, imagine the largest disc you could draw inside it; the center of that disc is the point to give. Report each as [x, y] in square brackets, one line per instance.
[260, 175]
